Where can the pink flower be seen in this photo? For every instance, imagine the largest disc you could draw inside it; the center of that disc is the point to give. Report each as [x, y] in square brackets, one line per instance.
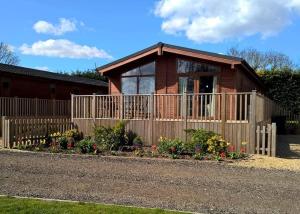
[153, 147]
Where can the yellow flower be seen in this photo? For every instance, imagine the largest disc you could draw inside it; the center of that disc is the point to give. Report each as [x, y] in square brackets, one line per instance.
[244, 143]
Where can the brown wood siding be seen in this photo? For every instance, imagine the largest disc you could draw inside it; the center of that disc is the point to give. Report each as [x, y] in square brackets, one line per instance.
[166, 79]
[36, 87]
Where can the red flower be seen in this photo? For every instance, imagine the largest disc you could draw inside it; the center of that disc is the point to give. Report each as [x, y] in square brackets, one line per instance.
[95, 146]
[173, 149]
[153, 147]
[222, 155]
[231, 148]
[243, 150]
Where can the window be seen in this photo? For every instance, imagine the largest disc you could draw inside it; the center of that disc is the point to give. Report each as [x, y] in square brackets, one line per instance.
[140, 80]
[184, 66]
[186, 84]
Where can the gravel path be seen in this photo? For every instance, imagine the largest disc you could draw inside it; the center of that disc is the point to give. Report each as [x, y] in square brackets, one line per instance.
[206, 187]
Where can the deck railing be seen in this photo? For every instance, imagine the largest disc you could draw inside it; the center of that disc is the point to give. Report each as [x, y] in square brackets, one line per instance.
[232, 107]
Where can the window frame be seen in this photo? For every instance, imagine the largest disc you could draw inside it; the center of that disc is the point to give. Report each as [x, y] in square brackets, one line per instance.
[139, 76]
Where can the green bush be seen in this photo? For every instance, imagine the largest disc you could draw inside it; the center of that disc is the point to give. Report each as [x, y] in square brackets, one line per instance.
[104, 137]
[110, 138]
[198, 140]
[86, 145]
[170, 146]
[63, 142]
[137, 142]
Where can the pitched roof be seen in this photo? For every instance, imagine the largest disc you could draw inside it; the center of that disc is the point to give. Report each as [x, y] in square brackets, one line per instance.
[50, 75]
[171, 48]
[160, 47]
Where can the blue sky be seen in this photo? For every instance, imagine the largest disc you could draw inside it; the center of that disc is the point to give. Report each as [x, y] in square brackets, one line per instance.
[68, 35]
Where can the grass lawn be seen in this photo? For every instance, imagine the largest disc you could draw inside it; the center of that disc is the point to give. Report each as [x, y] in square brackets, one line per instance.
[22, 206]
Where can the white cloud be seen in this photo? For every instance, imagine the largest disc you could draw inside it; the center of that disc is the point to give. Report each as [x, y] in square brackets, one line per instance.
[217, 20]
[64, 49]
[43, 68]
[64, 26]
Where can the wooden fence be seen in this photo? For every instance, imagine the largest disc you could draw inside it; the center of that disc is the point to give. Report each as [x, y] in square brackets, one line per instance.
[266, 140]
[30, 130]
[14, 106]
[169, 115]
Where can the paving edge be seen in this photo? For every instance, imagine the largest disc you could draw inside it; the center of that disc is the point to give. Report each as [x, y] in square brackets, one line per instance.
[87, 202]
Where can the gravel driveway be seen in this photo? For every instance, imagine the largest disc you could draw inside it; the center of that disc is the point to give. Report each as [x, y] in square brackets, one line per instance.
[207, 187]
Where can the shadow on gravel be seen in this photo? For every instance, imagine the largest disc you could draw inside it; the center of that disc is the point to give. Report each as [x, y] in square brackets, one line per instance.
[288, 146]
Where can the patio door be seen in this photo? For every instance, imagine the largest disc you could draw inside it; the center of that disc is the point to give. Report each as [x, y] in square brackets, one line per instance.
[195, 85]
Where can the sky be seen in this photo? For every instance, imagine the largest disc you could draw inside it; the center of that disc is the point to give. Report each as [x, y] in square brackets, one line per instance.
[69, 35]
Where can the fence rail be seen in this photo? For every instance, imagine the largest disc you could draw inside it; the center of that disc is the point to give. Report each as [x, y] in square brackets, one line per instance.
[30, 130]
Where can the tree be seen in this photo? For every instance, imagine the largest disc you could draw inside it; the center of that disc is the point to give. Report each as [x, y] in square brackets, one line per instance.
[7, 56]
[283, 87]
[262, 61]
[89, 73]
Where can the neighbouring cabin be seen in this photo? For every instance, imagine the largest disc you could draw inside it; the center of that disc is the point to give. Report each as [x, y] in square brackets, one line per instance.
[23, 82]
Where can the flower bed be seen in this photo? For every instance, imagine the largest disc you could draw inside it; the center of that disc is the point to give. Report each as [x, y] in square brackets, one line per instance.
[202, 145]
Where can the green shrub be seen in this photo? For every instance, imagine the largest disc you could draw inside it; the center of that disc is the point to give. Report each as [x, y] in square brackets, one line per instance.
[63, 142]
[170, 146]
[86, 145]
[129, 137]
[216, 145]
[110, 138]
[119, 134]
[137, 142]
[198, 140]
[104, 137]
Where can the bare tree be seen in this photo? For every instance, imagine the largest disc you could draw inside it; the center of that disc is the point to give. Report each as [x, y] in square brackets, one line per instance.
[263, 60]
[7, 56]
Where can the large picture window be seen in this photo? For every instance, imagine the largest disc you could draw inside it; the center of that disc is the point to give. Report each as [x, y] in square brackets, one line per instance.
[140, 80]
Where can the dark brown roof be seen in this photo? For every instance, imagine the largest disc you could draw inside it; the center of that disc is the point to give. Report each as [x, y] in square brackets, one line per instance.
[49, 75]
[160, 44]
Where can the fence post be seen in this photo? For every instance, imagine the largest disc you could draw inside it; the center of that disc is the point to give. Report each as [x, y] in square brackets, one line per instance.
[151, 116]
[184, 107]
[53, 107]
[223, 113]
[121, 106]
[72, 108]
[16, 106]
[252, 122]
[3, 132]
[94, 107]
[36, 106]
[274, 139]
